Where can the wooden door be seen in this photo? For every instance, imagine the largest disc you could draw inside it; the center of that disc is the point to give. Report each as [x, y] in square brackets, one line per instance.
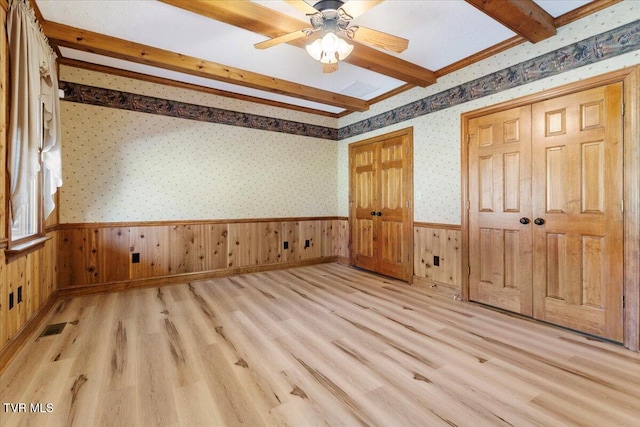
[577, 203]
[499, 199]
[382, 204]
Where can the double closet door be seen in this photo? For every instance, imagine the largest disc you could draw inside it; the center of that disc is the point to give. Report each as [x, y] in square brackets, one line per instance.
[545, 210]
[381, 204]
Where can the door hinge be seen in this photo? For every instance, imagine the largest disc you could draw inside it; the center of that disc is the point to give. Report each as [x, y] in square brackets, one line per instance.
[468, 138]
[469, 270]
[623, 105]
[622, 206]
[622, 301]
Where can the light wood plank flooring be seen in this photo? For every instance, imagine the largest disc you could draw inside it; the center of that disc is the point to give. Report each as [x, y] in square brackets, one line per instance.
[320, 345]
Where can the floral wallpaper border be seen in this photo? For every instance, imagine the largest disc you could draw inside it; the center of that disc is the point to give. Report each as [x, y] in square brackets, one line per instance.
[593, 49]
[92, 95]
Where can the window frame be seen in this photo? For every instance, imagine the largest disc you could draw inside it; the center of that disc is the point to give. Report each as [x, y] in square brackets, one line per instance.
[16, 247]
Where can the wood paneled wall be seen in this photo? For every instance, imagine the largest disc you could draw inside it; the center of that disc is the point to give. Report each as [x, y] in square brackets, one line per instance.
[93, 254]
[442, 241]
[101, 253]
[35, 273]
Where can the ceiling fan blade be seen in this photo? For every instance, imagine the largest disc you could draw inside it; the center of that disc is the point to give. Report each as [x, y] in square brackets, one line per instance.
[285, 38]
[303, 6]
[378, 38]
[355, 8]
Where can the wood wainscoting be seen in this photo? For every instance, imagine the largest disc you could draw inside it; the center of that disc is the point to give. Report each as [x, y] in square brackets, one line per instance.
[102, 257]
[34, 277]
[436, 261]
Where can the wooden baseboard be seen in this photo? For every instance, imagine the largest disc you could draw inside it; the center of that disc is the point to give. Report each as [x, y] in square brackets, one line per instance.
[15, 344]
[75, 291]
[437, 288]
[344, 260]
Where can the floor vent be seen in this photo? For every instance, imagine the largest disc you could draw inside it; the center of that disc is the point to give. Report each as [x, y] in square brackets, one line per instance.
[54, 329]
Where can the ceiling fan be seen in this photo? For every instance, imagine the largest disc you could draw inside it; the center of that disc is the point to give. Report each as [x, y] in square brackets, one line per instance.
[332, 18]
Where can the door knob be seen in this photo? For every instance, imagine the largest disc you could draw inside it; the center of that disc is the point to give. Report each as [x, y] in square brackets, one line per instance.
[524, 220]
[538, 221]
[379, 214]
[373, 213]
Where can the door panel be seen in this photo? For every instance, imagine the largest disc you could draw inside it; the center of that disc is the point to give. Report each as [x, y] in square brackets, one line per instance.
[577, 180]
[511, 162]
[364, 159]
[499, 194]
[555, 173]
[392, 207]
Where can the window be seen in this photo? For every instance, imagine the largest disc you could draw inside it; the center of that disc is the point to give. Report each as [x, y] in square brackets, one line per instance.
[34, 158]
[26, 222]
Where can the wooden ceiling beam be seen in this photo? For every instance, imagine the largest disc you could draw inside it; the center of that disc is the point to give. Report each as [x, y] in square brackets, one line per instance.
[262, 20]
[87, 41]
[523, 17]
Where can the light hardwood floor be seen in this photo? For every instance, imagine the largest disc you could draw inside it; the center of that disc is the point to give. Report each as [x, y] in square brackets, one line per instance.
[320, 345]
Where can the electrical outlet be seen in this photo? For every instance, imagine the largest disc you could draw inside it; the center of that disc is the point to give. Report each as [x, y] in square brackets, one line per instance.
[307, 243]
[135, 258]
[436, 261]
[10, 300]
[19, 294]
[286, 245]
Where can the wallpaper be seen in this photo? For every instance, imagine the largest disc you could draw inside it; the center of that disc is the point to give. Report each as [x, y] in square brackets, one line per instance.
[128, 166]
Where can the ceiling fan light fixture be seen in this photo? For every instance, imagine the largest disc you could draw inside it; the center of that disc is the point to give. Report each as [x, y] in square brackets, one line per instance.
[329, 49]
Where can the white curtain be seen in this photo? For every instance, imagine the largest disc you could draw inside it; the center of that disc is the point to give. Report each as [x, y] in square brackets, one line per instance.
[34, 106]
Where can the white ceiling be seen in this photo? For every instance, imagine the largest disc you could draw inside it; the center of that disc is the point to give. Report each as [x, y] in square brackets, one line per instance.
[440, 32]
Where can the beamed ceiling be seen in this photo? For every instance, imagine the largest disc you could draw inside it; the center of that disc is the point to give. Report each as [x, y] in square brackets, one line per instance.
[208, 44]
